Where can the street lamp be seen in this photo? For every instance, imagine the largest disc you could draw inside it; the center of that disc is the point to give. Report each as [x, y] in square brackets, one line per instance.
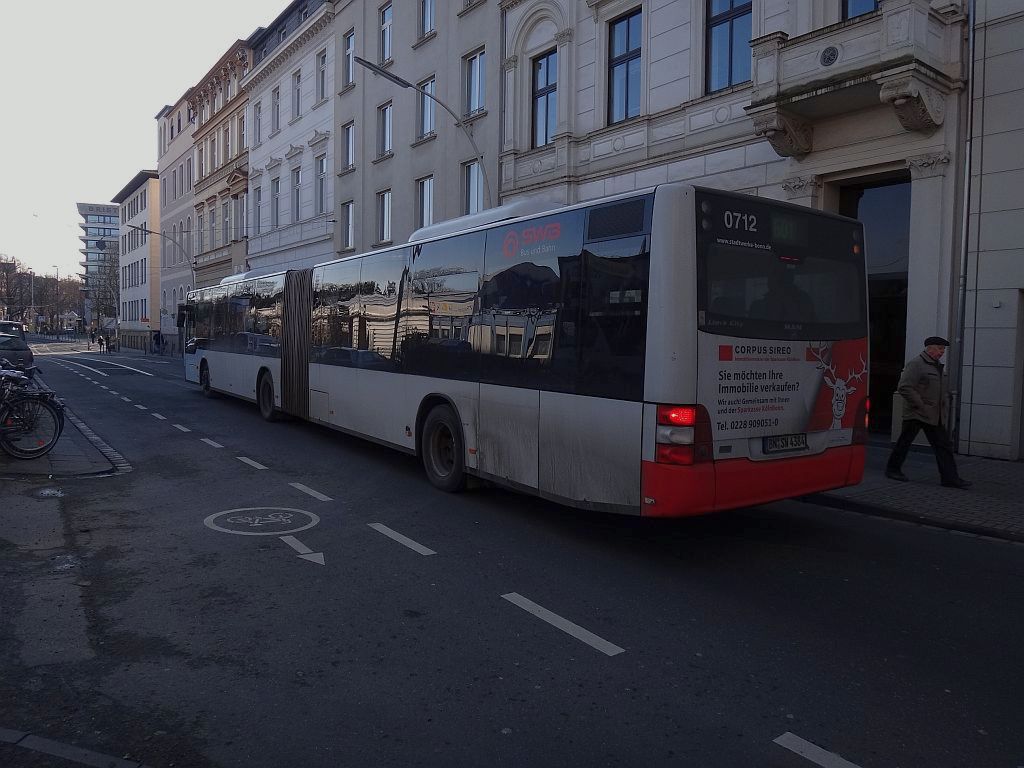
[191, 263]
[58, 300]
[403, 83]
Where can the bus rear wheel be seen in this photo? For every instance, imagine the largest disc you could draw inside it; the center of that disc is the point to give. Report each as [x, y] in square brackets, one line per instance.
[204, 380]
[442, 451]
[265, 397]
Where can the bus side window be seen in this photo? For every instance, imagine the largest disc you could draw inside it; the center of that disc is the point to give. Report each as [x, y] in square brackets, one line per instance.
[335, 313]
[383, 291]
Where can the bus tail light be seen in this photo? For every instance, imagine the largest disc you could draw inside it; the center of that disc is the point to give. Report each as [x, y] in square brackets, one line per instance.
[683, 435]
[861, 422]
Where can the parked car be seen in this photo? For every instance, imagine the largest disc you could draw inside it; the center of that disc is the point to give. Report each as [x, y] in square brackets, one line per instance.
[12, 328]
[15, 349]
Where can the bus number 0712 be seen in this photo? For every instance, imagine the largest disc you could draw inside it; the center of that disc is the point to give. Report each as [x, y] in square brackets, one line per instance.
[736, 220]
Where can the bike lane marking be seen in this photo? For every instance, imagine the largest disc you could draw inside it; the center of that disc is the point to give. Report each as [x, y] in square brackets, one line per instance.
[181, 428]
[309, 491]
[101, 373]
[111, 362]
[250, 462]
[404, 540]
[575, 630]
[812, 752]
[211, 443]
[158, 416]
[269, 521]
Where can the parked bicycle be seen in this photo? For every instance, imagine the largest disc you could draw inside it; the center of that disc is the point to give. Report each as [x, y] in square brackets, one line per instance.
[31, 418]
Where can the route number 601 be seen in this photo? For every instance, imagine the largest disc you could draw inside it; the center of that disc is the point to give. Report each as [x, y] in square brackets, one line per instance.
[736, 220]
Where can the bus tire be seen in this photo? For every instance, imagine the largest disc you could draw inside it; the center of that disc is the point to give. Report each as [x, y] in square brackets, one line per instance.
[442, 451]
[265, 396]
[204, 380]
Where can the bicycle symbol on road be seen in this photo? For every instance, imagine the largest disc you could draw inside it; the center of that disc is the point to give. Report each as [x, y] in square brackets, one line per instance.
[255, 521]
[261, 521]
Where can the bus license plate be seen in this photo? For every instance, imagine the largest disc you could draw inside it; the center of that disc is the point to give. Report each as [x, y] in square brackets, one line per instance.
[785, 443]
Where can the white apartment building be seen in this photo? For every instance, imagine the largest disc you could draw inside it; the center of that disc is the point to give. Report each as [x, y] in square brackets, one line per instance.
[290, 114]
[139, 260]
[221, 159]
[853, 106]
[100, 237]
[402, 163]
[177, 208]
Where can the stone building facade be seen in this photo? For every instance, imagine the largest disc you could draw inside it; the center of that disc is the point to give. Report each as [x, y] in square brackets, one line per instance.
[139, 260]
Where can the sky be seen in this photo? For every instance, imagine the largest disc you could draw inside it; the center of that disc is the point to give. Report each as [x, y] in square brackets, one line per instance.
[81, 83]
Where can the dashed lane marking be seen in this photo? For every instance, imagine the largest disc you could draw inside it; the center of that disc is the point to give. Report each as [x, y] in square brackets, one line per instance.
[812, 752]
[126, 399]
[182, 428]
[307, 490]
[211, 443]
[158, 416]
[581, 634]
[64, 751]
[391, 534]
[99, 373]
[109, 362]
[251, 463]
[141, 407]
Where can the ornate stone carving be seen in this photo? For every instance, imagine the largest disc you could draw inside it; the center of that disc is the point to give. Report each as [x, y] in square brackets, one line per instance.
[293, 151]
[510, 63]
[788, 135]
[319, 137]
[925, 166]
[564, 36]
[918, 106]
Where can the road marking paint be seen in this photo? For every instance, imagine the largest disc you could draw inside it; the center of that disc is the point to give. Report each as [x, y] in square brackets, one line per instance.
[211, 443]
[310, 491]
[158, 416]
[72, 753]
[104, 386]
[109, 362]
[126, 399]
[581, 634]
[251, 463]
[183, 429]
[304, 552]
[415, 547]
[141, 407]
[101, 373]
[812, 752]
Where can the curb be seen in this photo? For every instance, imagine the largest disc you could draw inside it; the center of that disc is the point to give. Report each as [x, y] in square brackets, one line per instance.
[877, 510]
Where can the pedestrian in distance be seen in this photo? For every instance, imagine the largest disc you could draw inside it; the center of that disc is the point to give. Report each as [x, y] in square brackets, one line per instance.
[92, 338]
[102, 340]
[924, 391]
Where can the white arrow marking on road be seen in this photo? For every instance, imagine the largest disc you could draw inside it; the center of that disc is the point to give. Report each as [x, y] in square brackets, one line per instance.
[414, 546]
[812, 752]
[250, 462]
[306, 489]
[609, 649]
[108, 362]
[304, 552]
[101, 373]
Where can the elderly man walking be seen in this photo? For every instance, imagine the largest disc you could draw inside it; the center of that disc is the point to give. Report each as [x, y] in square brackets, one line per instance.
[923, 389]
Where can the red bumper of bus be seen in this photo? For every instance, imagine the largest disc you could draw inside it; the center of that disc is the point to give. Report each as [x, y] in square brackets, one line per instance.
[676, 491]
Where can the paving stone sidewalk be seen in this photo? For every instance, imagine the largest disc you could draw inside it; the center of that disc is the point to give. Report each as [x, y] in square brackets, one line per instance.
[994, 505]
[73, 456]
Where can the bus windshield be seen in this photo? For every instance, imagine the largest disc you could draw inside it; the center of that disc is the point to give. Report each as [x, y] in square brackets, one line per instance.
[773, 272]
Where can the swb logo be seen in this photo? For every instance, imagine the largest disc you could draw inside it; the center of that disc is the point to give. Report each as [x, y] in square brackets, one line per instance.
[529, 236]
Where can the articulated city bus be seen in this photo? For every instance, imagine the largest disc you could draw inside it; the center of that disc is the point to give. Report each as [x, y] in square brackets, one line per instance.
[668, 352]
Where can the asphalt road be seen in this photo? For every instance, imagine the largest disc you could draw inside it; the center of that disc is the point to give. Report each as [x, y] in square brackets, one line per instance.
[481, 629]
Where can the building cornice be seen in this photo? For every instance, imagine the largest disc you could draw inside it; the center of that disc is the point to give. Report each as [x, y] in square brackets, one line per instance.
[322, 19]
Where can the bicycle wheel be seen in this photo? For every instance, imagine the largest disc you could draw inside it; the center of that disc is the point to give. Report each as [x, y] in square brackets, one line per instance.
[29, 427]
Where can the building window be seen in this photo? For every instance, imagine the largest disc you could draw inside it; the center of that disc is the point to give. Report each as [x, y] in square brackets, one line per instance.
[174, 183]
[188, 172]
[728, 43]
[181, 180]
[320, 164]
[384, 216]
[257, 124]
[624, 38]
[350, 51]
[350, 145]
[426, 17]
[282, 35]
[545, 97]
[347, 225]
[296, 94]
[385, 33]
[202, 163]
[275, 110]
[296, 186]
[257, 205]
[427, 105]
[275, 203]
[227, 143]
[225, 223]
[474, 67]
[384, 129]
[854, 8]
[425, 199]
[199, 234]
[213, 154]
[473, 187]
[241, 133]
[321, 76]
[213, 226]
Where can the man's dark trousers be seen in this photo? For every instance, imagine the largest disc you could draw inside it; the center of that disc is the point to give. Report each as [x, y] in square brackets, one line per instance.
[940, 444]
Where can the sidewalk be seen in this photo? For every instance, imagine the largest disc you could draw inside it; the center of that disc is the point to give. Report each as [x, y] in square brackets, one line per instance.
[994, 505]
[75, 455]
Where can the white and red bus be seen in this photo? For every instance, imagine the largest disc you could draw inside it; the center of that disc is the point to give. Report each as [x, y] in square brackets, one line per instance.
[668, 352]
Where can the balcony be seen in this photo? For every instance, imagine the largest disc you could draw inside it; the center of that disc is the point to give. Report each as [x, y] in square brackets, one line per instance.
[905, 54]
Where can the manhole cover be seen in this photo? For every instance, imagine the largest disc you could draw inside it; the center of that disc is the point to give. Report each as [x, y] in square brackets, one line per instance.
[261, 521]
[49, 493]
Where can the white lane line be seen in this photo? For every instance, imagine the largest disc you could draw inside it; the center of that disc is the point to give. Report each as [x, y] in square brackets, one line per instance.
[812, 752]
[104, 386]
[581, 634]
[211, 443]
[251, 463]
[113, 392]
[183, 429]
[101, 373]
[126, 399]
[310, 491]
[108, 362]
[141, 407]
[158, 416]
[414, 546]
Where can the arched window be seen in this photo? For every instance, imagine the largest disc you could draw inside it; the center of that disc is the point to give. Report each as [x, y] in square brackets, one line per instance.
[181, 238]
[189, 238]
[179, 121]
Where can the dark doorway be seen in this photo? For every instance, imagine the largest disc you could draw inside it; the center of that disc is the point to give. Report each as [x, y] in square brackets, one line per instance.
[884, 208]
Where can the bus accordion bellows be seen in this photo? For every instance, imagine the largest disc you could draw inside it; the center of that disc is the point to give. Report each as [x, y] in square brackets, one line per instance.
[668, 352]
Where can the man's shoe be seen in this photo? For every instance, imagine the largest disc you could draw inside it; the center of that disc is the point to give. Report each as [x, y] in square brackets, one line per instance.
[958, 483]
[896, 476]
